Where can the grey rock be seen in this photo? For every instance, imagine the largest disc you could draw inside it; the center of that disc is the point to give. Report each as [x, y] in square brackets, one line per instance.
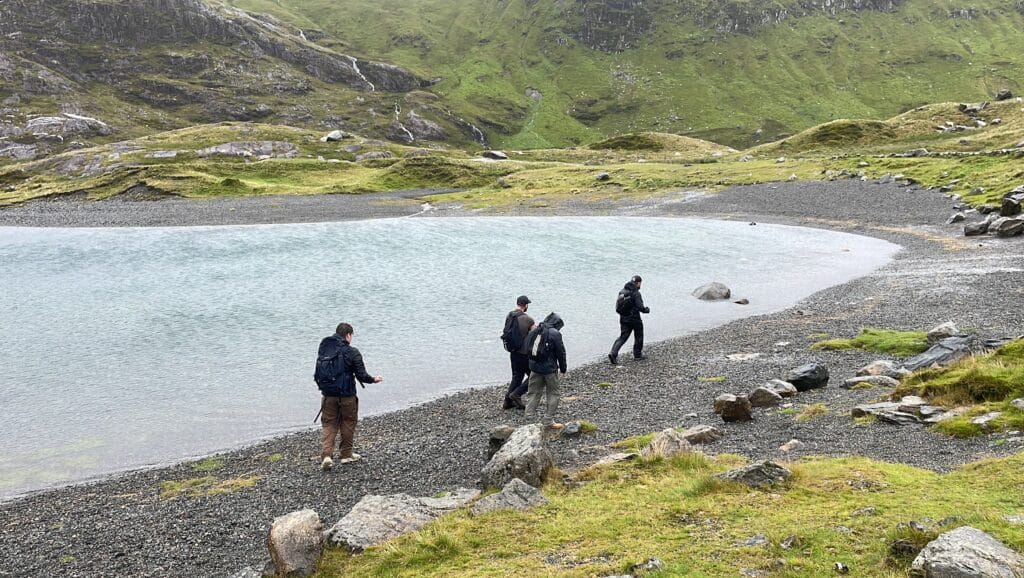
[1018, 403]
[956, 218]
[162, 154]
[252, 149]
[376, 519]
[872, 380]
[1010, 206]
[1006, 227]
[516, 495]
[975, 229]
[897, 418]
[783, 388]
[650, 565]
[713, 291]
[615, 458]
[248, 572]
[756, 541]
[603, 177]
[573, 428]
[756, 475]
[883, 367]
[967, 552]
[295, 543]
[525, 456]
[807, 377]
[793, 444]
[764, 397]
[942, 353]
[334, 136]
[424, 129]
[702, 434]
[353, 148]
[18, 152]
[496, 155]
[666, 443]
[1004, 94]
[418, 153]
[733, 407]
[373, 155]
[874, 408]
[985, 421]
[498, 437]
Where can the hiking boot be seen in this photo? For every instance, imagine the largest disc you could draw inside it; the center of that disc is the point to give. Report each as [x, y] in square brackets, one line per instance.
[517, 402]
[508, 404]
[327, 463]
[614, 359]
[355, 458]
[555, 425]
[640, 357]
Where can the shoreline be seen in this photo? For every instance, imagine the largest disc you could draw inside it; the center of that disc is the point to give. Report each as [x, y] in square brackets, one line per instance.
[220, 535]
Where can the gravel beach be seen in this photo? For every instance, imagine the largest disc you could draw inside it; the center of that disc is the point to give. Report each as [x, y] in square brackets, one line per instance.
[121, 527]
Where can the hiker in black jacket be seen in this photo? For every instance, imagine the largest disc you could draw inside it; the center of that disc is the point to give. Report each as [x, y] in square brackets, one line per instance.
[629, 320]
[340, 404]
[547, 360]
[517, 354]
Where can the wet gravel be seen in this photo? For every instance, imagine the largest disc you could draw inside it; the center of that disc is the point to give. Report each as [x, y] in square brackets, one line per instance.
[120, 526]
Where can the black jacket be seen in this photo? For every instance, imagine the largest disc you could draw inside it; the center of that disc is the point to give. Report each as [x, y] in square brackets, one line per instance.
[345, 385]
[632, 292]
[554, 357]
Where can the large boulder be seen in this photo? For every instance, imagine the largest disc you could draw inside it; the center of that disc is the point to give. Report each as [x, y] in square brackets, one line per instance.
[967, 552]
[1006, 227]
[666, 443]
[497, 439]
[525, 456]
[1011, 205]
[756, 475]
[975, 229]
[714, 291]
[764, 397]
[942, 353]
[940, 332]
[376, 519]
[295, 543]
[516, 495]
[733, 407]
[705, 434]
[807, 377]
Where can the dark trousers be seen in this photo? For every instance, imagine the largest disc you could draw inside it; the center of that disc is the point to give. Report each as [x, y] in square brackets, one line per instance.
[340, 415]
[637, 329]
[520, 371]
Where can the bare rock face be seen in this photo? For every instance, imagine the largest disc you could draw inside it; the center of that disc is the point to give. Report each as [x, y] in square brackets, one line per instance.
[376, 519]
[424, 129]
[967, 553]
[666, 443]
[295, 543]
[516, 495]
[264, 149]
[524, 455]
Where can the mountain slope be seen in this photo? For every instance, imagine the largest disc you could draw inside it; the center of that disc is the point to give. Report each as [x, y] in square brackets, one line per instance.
[560, 72]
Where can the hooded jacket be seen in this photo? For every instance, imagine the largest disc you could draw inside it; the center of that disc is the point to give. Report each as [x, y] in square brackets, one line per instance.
[554, 356]
[632, 292]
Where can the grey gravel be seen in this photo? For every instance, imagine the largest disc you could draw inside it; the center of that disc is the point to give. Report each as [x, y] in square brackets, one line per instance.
[120, 526]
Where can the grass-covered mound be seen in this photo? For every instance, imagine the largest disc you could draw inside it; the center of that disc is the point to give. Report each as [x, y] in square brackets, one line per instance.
[986, 384]
[898, 343]
[831, 510]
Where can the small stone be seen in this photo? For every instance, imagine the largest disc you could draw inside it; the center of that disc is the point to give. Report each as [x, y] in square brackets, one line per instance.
[793, 444]
[651, 565]
[759, 540]
[742, 302]
[870, 380]
[602, 177]
[841, 568]
[937, 334]
[867, 511]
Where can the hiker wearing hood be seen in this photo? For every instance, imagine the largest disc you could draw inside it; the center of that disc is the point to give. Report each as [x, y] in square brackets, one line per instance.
[629, 305]
[547, 360]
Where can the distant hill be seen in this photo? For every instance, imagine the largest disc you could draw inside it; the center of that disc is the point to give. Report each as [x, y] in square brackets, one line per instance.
[511, 73]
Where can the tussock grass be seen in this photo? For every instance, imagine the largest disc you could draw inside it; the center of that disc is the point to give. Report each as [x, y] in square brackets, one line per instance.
[898, 343]
[812, 411]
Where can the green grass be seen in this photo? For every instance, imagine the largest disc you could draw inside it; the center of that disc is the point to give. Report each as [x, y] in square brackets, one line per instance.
[275, 457]
[898, 343]
[712, 379]
[588, 426]
[812, 411]
[677, 511]
[205, 486]
[208, 465]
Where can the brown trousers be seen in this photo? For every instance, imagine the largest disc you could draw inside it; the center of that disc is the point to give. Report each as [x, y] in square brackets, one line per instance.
[339, 414]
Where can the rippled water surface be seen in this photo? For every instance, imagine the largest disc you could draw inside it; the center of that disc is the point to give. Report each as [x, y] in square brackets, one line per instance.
[127, 347]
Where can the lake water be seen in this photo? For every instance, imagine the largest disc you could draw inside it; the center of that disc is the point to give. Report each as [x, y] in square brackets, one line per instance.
[128, 347]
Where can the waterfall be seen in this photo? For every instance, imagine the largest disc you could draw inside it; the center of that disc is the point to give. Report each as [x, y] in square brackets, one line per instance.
[355, 67]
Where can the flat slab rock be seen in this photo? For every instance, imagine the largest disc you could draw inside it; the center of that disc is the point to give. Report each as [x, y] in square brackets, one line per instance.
[756, 475]
[516, 495]
[376, 519]
[967, 552]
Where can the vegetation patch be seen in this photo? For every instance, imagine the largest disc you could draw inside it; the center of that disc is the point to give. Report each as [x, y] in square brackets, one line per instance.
[898, 343]
[205, 486]
[275, 457]
[629, 142]
[812, 411]
[588, 427]
[712, 379]
[677, 511]
[209, 464]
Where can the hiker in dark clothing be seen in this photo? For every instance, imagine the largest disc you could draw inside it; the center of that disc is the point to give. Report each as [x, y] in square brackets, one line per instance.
[340, 405]
[517, 355]
[632, 305]
[547, 360]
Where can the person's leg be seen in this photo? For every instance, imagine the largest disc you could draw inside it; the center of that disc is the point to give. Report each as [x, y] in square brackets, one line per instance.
[624, 331]
[536, 384]
[328, 425]
[520, 370]
[638, 339]
[551, 387]
[349, 418]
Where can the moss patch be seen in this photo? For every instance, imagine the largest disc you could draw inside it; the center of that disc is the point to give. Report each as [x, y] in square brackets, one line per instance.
[205, 486]
[898, 343]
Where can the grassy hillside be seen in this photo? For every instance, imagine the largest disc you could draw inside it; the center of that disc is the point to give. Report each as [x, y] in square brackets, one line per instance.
[522, 69]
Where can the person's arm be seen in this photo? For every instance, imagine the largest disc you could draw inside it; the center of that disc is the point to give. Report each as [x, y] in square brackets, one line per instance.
[638, 302]
[355, 363]
[560, 351]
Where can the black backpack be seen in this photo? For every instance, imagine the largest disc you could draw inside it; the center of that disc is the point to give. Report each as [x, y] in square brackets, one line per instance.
[538, 347]
[510, 335]
[330, 366]
[624, 303]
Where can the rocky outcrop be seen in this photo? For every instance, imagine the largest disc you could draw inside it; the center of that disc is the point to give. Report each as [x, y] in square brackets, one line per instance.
[252, 149]
[942, 353]
[743, 17]
[524, 455]
[612, 25]
[516, 495]
[757, 475]
[967, 552]
[375, 519]
[295, 543]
